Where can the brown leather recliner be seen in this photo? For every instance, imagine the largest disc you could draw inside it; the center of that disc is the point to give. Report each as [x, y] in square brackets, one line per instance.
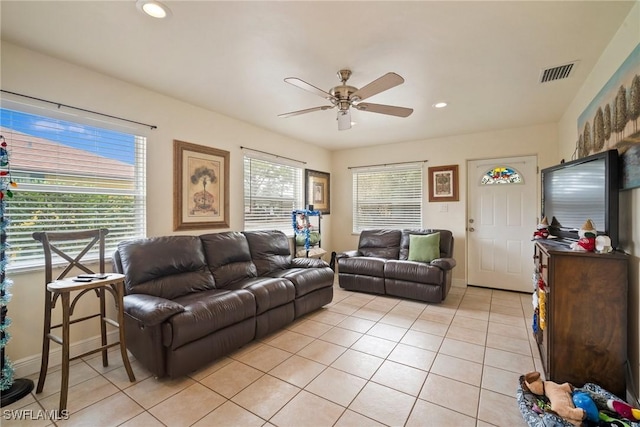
[380, 265]
[192, 299]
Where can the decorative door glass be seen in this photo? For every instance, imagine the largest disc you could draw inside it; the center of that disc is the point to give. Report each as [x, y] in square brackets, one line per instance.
[501, 175]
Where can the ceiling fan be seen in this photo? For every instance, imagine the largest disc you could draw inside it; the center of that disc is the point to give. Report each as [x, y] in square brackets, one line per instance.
[344, 97]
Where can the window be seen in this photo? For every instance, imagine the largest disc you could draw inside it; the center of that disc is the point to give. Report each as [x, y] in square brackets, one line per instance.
[272, 190]
[71, 176]
[387, 197]
[501, 175]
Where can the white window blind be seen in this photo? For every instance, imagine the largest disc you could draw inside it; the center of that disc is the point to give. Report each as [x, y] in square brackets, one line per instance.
[271, 191]
[71, 177]
[387, 197]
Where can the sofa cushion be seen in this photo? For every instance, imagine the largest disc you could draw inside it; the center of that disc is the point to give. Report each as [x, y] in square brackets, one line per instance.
[380, 243]
[412, 271]
[228, 257]
[268, 292]
[366, 266]
[167, 267]
[446, 241]
[207, 312]
[307, 280]
[270, 250]
[424, 248]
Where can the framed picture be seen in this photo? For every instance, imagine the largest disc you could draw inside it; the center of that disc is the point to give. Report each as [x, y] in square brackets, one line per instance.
[606, 124]
[443, 183]
[316, 190]
[200, 187]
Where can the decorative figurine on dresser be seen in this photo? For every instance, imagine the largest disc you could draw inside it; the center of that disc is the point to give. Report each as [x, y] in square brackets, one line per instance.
[587, 240]
[307, 237]
[542, 229]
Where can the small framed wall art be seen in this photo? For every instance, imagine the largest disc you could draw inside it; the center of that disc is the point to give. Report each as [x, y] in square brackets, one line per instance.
[317, 190]
[200, 187]
[443, 183]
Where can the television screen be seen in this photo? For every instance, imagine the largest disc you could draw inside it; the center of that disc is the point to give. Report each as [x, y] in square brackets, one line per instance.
[583, 189]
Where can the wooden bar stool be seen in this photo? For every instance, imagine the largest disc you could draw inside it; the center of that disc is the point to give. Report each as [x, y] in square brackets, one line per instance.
[61, 287]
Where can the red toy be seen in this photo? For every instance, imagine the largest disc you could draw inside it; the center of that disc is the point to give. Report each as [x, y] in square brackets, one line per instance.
[625, 410]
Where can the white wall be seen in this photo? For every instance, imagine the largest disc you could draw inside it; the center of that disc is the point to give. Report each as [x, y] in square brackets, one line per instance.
[625, 40]
[538, 140]
[34, 74]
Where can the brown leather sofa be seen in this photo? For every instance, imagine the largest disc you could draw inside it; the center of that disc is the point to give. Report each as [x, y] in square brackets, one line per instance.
[192, 299]
[380, 265]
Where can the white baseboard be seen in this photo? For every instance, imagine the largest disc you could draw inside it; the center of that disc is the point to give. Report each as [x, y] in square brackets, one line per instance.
[31, 364]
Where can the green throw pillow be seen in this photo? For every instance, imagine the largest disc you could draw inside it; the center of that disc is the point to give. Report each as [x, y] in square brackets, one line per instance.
[425, 247]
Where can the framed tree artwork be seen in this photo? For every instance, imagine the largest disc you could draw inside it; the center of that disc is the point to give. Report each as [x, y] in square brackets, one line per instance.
[200, 187]
[317, 190]
[443, 183]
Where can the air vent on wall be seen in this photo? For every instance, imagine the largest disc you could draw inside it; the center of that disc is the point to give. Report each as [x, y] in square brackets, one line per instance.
[557, 73]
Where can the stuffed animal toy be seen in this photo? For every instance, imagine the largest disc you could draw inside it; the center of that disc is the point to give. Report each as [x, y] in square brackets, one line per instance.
[559, 396]
[587, 241]
[542, 230]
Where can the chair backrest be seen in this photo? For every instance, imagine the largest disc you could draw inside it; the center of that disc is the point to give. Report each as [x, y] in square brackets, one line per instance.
[63, 242]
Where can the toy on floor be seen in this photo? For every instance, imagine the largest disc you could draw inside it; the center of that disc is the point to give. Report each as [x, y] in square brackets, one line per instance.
[559, 396]
[608, 421]
[587, 241]
[584, 401]
[624, 409]
[542, 229]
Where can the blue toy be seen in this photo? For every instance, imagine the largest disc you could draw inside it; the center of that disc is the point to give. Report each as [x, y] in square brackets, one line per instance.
[584, 401]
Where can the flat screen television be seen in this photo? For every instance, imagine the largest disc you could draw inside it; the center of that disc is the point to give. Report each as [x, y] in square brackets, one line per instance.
[582, 189]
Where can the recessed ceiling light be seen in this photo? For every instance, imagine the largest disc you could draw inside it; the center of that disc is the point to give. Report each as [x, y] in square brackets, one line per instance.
[153, 8]
[439, 105]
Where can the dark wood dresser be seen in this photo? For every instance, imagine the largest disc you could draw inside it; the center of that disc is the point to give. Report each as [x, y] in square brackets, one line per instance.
[585, 328]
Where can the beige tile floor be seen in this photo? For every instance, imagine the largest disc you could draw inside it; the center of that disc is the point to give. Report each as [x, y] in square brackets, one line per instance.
[363, 360]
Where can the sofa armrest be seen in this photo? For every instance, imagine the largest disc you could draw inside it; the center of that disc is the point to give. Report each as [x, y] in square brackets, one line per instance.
[444, 263]
[150, 310]
[308, 263]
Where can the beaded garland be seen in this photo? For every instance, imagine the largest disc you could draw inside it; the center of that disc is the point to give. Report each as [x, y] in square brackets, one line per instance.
[6, 183]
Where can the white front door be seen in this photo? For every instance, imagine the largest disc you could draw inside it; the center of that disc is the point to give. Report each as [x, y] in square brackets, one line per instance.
[501, 219]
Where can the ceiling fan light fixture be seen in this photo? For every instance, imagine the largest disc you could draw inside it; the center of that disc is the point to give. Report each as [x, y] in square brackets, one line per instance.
[153, 8]
[345, 96]
[344, 119]
[440, 104]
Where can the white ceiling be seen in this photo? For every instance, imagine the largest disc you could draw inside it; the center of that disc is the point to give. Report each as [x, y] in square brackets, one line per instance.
[483, 58]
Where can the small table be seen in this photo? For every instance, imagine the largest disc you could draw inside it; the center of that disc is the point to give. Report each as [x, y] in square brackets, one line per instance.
[112, 283]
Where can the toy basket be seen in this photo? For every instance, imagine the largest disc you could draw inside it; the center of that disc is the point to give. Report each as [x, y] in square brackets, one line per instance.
[527, 401]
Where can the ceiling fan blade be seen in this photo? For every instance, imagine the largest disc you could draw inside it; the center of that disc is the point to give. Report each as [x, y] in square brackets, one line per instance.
[308, 110]
[344, 119]
[309, 88]
[384, 109]
[381, 84]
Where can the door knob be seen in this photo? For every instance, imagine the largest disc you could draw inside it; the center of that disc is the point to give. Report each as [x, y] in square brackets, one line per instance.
[472, 229]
